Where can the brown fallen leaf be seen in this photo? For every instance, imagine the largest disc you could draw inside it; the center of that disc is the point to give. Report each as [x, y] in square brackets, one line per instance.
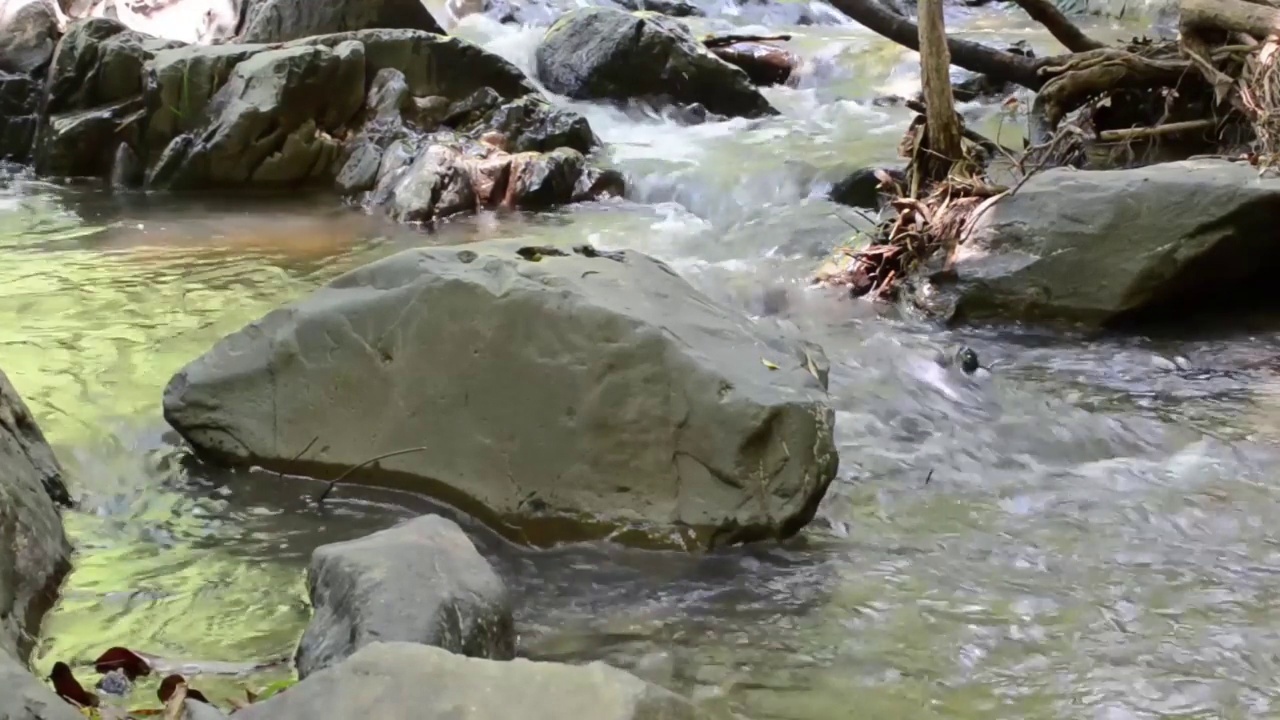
[177, 697]
[170, 685]
[131, 663]
[68, 688]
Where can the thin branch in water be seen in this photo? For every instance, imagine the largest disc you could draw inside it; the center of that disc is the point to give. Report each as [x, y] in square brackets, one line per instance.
[314, 440]
[1061, 28]
[334, 482]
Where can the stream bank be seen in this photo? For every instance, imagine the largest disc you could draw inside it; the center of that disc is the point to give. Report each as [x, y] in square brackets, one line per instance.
[1139, 524]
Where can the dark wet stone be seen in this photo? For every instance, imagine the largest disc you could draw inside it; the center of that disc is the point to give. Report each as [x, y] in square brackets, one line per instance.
[606, 54]
[860, 188]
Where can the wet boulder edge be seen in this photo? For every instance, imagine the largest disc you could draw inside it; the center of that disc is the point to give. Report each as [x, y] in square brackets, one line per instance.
[560, 394]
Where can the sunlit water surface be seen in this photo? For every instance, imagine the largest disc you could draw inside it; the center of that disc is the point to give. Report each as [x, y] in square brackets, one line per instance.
[1088, 533]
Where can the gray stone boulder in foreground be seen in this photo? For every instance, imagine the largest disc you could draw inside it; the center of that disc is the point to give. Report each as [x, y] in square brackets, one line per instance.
[605, 54]
[34, 556]
[421, 581]
[1107, 247]
[404, 680]
[23, 696]
[560, 396]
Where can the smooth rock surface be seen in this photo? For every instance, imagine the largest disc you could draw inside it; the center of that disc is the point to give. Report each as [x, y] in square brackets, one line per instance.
[23, 696]
[561, 397]
[421, 581]
[606, 54]
[34, 552]
[405, 680]
[1101, 248]
[268, 21]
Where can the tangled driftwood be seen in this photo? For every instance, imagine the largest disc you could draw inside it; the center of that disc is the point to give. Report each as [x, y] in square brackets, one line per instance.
[1215, 90]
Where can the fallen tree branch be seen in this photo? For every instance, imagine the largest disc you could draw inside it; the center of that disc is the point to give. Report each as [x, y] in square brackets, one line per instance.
[968, 55]
[1093, 73]
[334, 482]
[1058, 25]
[1176, 128]
[1230, 15]
[715, 41]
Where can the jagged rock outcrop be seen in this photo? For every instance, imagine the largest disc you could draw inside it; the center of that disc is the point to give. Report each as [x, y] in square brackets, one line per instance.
[367, 110]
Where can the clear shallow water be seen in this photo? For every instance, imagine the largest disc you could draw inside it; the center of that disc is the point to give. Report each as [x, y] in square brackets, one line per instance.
[1095, 540]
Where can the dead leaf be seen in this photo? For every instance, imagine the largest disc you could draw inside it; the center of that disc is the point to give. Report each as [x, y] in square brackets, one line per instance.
[771, 366]
[170, 685]
[117, 658]
[69, 689]
[173, 706]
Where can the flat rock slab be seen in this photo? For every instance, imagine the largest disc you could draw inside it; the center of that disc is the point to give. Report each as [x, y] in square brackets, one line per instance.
[1109, 247]
[402, 680]
[560, 396]
[421, 581]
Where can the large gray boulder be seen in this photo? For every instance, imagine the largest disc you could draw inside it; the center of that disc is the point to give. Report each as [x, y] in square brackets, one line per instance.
[422, 581]
[34, 556]
[1107, 247]
[561, 395]
[605, 54]
[28, 33]
[404, 680]
[268, 21]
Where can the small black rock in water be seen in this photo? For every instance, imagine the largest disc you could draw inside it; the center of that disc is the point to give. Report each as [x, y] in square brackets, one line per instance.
[968, 360]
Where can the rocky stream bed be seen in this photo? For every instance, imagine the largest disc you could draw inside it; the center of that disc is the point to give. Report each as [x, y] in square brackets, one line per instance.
[535, 283]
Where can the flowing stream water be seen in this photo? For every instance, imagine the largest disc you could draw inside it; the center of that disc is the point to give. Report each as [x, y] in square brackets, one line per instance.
[1089, 532]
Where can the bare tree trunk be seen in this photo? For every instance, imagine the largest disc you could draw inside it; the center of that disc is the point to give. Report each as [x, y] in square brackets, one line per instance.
[942, 125]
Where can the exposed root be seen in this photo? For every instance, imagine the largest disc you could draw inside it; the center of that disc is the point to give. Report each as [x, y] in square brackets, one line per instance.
[924, 217]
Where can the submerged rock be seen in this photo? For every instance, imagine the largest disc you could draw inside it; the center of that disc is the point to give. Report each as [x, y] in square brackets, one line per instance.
[267, 21]
[420, 582]
[404, 680]
[34, 556]
[1106, 247]
[28, 33]
[605, 54]
[563, 395]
